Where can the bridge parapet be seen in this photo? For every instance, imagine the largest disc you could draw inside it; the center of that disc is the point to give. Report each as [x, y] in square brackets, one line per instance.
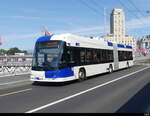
[14, 68]
[15, 65]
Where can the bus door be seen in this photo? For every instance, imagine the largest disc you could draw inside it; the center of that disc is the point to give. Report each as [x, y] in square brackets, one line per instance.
[116, 59]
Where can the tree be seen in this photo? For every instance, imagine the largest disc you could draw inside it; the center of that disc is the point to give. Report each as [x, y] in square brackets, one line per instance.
[2, 51]
[12, 51]
[24, 51]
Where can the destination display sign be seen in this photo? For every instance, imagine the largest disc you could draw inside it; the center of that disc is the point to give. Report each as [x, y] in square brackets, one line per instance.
[49, 45]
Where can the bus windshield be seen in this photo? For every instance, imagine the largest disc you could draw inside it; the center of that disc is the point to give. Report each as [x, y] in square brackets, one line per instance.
[47, 55]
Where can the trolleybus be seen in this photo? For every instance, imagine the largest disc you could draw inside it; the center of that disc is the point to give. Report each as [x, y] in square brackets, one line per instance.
[66, 57]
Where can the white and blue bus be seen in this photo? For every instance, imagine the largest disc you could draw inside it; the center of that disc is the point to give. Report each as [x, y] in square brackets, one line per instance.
[66, 57]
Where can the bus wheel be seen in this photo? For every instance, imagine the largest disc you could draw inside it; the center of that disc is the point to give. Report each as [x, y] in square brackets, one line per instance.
[35, 83]
[128, 65]
[110, 69]
[82, 75]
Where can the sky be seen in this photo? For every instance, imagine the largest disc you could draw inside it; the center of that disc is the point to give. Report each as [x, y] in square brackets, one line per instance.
[22, 21]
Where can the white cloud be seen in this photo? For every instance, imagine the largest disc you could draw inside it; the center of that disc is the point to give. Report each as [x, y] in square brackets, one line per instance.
[130, 25]
[21, 17]
[138, 23]
[25, 17]
[86, 30]
[21, 36]
[81, 31]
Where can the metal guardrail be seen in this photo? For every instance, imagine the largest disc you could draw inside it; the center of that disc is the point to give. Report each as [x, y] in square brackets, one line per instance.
[16, 68]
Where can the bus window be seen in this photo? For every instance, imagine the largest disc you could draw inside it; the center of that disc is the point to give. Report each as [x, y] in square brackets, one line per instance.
[71, 57]
[82, 56]
[89, 56]
[96, 59]
[130, 56]
[110, 56]
[104, 56]
[76, 55]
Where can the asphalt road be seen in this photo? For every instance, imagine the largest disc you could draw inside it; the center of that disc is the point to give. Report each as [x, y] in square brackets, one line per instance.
[124, 91]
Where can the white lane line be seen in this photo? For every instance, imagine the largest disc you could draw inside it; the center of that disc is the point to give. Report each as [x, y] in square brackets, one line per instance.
[11, 75]
[72, 96]
[14, 82]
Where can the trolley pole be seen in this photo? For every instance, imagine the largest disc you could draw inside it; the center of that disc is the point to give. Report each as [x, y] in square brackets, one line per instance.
[104, 21]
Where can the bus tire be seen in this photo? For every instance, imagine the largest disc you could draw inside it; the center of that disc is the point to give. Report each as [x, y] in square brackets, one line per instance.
[82, 75]
[110, 68]
[35, 83]
[128, 65]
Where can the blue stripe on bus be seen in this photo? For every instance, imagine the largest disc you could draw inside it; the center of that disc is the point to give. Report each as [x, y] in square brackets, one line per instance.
[62, 73]
[110, 44]
[77, 44]
[44, 38]
[130, 47]
[121, 46]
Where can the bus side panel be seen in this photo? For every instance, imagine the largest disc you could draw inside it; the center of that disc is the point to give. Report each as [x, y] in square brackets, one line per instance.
[96, 69]
[123, 64]
[131, 63]
[93, 69]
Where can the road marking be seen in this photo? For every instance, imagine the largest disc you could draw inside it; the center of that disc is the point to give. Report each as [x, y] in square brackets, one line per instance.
[80, 93]
[11, 75]
[11, 93]
[14, 82]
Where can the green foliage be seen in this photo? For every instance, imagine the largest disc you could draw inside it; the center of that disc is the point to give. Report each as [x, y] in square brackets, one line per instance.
[2, 51]
[12, 51]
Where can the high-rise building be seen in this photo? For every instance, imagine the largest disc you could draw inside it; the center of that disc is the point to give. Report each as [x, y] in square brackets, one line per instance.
[117, 29]
[117, 21]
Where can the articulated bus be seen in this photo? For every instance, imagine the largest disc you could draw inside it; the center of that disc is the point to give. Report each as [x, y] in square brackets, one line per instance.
[66, 57]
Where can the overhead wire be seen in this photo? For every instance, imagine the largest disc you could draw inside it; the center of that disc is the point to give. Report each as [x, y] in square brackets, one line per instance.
[137, 17]
[96, 9]
[129, 10]
[104, 12]
[138, 10]
[88, 6]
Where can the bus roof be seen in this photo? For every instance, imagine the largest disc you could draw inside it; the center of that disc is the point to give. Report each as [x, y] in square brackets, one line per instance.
[80, 41]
